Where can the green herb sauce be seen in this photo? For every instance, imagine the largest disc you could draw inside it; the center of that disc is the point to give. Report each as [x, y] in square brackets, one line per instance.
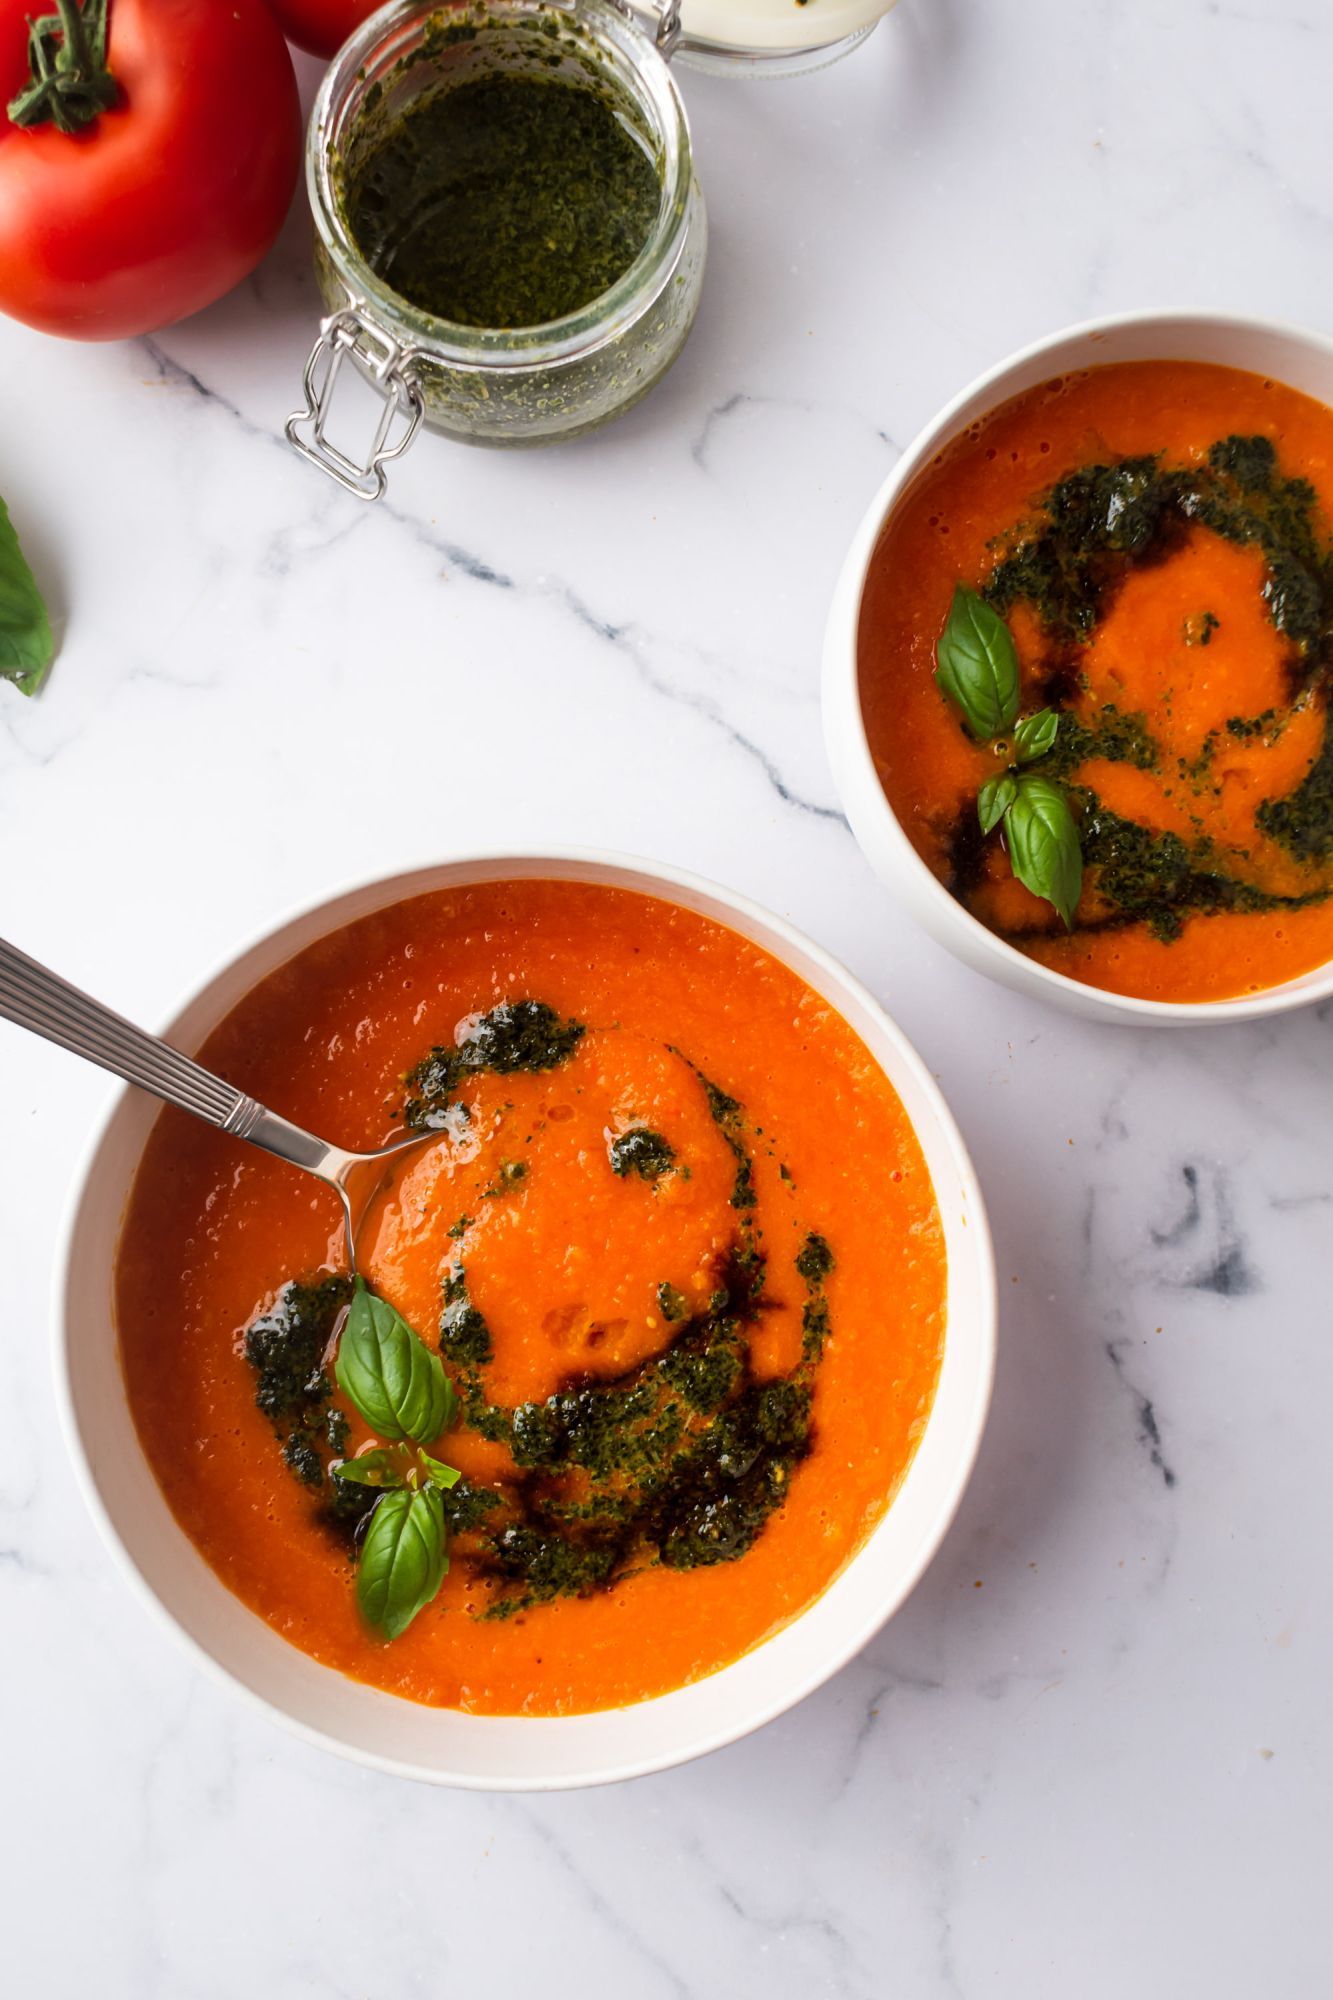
[1088, 533]
[1303, 821]
[672, 1304]
[1103, 521]
[642, 1152]
[1243, 727]
[518, 1035]
[1110, 734]
[507, 201]
[1159, 878]
[680, 1460]
[286, 1348]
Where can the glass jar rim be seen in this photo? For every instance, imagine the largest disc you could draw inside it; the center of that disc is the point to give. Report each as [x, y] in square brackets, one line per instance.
[490, 348]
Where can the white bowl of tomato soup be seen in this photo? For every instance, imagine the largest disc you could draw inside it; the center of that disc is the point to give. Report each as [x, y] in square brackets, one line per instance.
[1077, 671]
[720, 1346]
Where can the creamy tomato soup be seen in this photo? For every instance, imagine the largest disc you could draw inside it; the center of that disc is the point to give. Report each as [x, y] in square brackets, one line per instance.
[672, 1243]
[1155, 536]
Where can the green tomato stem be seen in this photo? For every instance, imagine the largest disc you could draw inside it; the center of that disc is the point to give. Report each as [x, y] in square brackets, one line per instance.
[70, 85]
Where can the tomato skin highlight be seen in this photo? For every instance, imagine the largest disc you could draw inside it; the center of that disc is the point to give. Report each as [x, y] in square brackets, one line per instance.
[321, 26]
[166, 201]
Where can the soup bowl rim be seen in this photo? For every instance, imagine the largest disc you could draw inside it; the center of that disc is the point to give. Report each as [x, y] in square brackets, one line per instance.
[877, 828]
[603, 1746]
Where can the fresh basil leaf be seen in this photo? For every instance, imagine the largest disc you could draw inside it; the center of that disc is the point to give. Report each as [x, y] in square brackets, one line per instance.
[373, 1468]
[1042, 837]
[1034, 735]
[26, 645]
[397, 1384]
[994, 800]
[443, 1476]
[403, 1559]
[977, 665]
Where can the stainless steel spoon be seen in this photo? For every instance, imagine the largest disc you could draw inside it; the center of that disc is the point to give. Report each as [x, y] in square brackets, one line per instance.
[35, 998]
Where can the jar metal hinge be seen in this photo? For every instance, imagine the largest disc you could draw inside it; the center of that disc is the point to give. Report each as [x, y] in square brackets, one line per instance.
[385, 365]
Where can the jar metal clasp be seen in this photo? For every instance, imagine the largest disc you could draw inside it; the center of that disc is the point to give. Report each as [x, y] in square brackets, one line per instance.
[382, 362]
[668, 28]
[663, 23]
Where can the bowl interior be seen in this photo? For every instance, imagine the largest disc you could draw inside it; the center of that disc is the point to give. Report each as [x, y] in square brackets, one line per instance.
[507, 1753]
[1301, 359]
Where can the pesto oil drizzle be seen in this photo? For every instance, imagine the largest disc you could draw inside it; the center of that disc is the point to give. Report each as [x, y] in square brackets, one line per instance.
[680, 1460]
[286, 1347]
[1090, 532]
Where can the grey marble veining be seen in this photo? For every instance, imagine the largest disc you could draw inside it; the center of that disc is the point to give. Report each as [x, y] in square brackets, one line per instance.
[1092, 1753]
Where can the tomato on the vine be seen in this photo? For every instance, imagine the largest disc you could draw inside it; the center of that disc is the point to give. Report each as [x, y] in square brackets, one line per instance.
[322, 26]
[147, 158]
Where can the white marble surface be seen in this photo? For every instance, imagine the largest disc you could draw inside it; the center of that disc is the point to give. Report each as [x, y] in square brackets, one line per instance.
[1092, 1754]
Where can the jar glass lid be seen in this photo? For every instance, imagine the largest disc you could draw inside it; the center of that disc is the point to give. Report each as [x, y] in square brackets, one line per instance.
[775, 27]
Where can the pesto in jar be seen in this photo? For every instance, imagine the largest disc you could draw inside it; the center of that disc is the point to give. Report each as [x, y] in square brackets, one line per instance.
[507, 201]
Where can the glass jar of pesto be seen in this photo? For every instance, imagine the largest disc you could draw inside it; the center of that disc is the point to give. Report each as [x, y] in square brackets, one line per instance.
[509, 232]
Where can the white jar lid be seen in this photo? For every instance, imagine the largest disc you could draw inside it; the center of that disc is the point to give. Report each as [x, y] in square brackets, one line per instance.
[765, 27]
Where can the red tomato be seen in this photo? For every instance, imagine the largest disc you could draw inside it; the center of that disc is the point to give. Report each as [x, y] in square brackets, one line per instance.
[168, 199]
[322, 26]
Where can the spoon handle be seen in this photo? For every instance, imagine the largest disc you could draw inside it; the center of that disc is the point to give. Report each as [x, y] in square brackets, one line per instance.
[34, 997]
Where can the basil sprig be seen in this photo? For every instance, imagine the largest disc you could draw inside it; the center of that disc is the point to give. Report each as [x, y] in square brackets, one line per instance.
[978, 671]
[394, 1465]
[994, 800]
[26, 645]
[390, 1374]
[402, 1391]
[1042, 838]
[404, 1557]
[1035, 735]
[977, 665]
[443, 1476]
[373, 1468]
